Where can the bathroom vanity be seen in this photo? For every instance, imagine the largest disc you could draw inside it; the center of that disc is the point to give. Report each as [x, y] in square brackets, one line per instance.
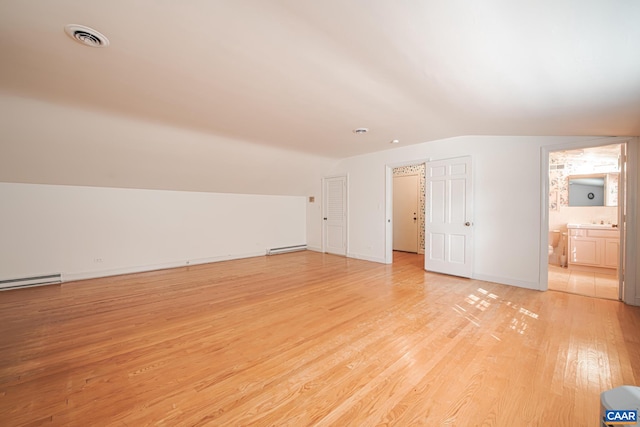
[594, 247]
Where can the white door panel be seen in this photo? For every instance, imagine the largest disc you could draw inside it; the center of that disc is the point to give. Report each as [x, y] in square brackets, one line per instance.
[335, 215]
[449, 212]
[436, 247]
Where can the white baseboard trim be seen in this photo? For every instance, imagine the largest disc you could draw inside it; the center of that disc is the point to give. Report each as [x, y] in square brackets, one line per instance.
[504, 281]
[366, 258]
[71, 277]
[314, 248]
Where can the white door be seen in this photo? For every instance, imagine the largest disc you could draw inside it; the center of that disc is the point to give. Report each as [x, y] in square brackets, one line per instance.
[335, 215]
[449, 217]
[405, 213]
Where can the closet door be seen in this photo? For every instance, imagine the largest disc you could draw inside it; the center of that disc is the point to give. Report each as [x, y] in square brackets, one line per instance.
[334, 228]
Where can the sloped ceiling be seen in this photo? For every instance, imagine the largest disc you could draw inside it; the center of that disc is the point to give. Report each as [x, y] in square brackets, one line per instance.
[300, 75]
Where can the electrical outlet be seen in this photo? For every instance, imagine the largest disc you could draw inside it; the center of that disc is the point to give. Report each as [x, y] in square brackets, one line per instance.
[97, 260]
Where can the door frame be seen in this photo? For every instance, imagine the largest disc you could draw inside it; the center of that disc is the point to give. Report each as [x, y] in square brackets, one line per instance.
[388, 204]
[628, 254]
[324, 211]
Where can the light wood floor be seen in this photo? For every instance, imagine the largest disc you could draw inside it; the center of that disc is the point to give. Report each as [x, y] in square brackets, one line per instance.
[309, 339]
[586, 283]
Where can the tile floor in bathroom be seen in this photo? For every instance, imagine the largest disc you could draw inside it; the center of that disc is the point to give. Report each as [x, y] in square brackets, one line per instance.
[583, 282]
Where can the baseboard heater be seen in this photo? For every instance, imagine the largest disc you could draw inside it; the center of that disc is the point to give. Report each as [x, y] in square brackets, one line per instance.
[25, 282]
[286, 249]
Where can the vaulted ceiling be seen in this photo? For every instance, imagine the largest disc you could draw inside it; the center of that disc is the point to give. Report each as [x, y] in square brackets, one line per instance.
[301, 75]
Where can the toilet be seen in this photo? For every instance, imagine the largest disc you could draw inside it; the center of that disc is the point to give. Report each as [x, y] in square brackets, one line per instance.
[554, 239]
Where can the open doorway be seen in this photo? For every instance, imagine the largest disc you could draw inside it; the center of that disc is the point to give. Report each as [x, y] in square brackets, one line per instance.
[407, 209]
[585, 220]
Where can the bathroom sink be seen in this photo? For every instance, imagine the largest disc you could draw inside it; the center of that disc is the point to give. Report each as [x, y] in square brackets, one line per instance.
[590, 226]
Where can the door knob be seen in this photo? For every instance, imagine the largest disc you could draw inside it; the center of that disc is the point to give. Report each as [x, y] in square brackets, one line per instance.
[468, 224]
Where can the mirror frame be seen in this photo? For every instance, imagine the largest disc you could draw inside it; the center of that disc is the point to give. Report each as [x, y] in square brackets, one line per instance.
[605, 176]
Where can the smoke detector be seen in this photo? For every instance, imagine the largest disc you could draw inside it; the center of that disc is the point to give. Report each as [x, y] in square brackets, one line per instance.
[87, 36]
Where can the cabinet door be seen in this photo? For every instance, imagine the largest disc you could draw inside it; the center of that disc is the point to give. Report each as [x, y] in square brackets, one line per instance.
[585, 250]
[611, 252]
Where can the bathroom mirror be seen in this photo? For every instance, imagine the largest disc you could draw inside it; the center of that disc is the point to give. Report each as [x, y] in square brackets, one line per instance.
[593, 190]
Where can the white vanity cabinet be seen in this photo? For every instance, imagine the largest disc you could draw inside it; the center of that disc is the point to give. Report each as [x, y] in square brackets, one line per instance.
[597, 247]
[611, 252]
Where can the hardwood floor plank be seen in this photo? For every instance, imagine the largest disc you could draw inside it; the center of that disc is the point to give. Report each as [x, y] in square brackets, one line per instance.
[309, 339]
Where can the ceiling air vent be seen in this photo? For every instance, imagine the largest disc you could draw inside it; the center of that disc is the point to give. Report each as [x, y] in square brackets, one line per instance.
[87, 36]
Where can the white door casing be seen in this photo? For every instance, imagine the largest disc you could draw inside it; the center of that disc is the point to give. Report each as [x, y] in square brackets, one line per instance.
[334, 229]
[622, 221]
[405, 213]
[449, 217]
[627, 211]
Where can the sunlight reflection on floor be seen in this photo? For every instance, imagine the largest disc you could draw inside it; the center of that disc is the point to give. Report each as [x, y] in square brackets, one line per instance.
[518, 323]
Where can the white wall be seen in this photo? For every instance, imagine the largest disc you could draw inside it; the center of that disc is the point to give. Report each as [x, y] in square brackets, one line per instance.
[88, 232]
[314, 219]
[507, 197]
[632, 292]
[45, 143]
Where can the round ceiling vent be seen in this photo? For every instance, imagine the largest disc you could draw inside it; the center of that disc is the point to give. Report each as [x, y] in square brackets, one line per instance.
[87, 36]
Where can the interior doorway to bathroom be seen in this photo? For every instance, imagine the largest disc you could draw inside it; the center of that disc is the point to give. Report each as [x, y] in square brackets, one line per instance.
[586, 207]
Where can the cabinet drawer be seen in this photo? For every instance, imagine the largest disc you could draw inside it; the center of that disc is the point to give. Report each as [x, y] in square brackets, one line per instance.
[612, 234]
[577, 232]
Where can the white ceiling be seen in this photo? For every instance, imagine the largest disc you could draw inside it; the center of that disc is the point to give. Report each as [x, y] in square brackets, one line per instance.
[302, 74]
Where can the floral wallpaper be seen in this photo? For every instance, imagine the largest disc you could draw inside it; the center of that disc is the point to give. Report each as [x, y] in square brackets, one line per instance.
[420, 171]
[582, 162]
[612, 190]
